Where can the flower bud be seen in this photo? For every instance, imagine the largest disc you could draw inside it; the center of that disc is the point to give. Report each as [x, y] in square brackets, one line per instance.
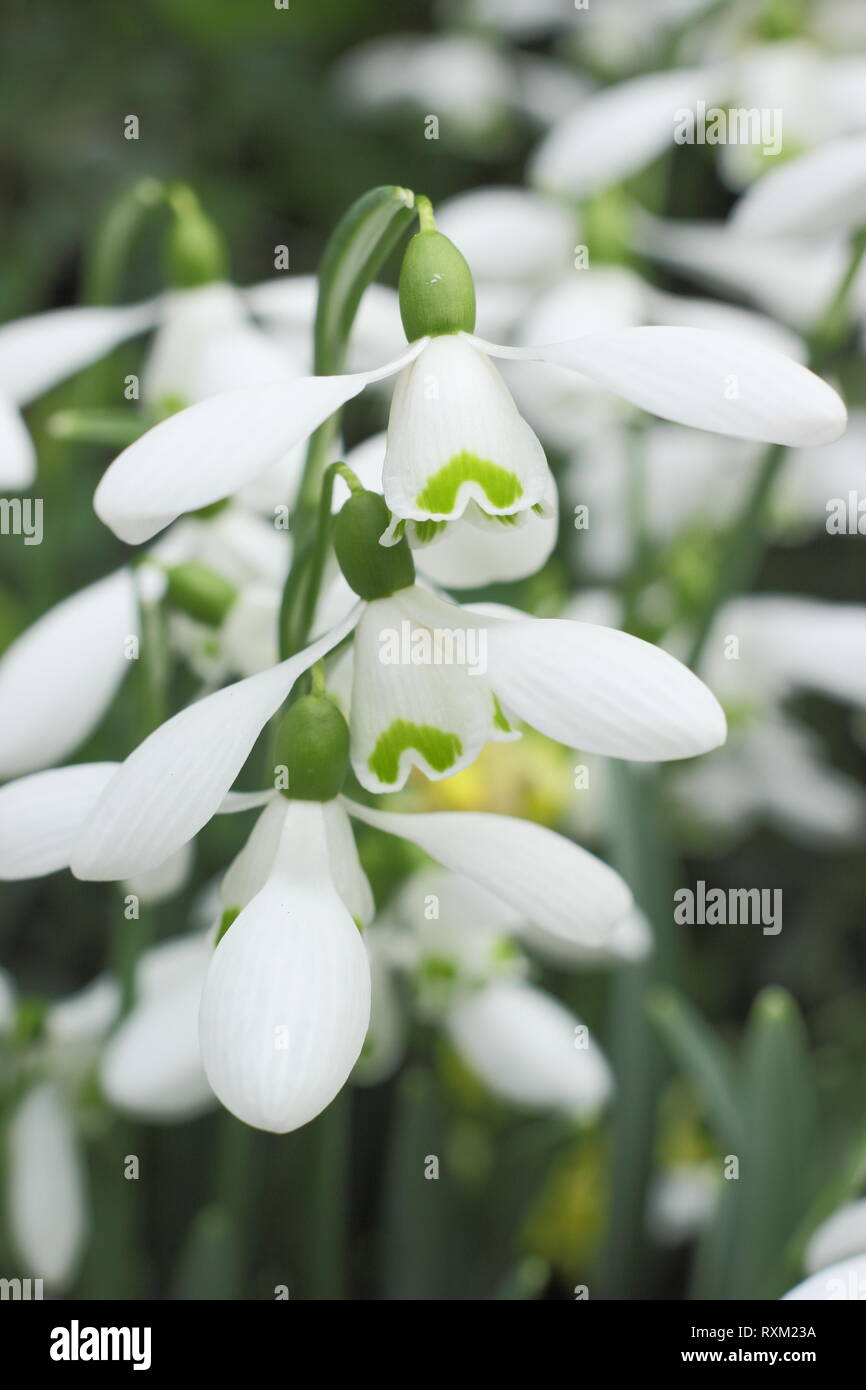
[437, 294]
[372, 570]
[195, 250]
[313, 745]
[201, 593]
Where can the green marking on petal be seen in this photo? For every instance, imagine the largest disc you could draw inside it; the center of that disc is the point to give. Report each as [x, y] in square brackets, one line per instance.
[501, 487]
[499, 718]
[440, 749]
[229, 916]
[426, 531]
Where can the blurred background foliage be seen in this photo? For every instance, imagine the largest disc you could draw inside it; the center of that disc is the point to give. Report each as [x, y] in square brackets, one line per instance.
[239, 101]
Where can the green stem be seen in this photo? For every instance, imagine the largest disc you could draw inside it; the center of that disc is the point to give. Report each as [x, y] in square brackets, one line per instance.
[103, 273]
[329, 1210]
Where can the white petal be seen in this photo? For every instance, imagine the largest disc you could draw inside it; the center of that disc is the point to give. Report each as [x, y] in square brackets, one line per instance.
[41, 815]
[206, 344]
[468, 555]
[17, 453]
[821, 192]
[248, 872]
[792, 280]
[841, 1281]
[385, 1042]
[552, 882]
[414, 704]
[839, 1237]
[172, 784]
[38, 352]
[539, 235]
[58, 678]
[349, 878]
[286, 1002]
[790, 642]
[455, 436]
[708, 380]
[601, 690]
[530, 1050]
[7, 1001]
[85, 1016]
[151, 1066]
[46, 1187]
[163, 882]
[212, 449]
[617, 131]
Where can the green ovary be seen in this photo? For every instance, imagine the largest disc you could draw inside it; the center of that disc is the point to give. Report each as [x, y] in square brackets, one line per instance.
[500, 487]
[439, 749]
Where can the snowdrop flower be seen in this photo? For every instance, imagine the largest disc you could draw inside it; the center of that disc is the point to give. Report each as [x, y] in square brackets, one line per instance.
[150, 1066]
[811, 95]
[681, 1201]
[432, 683]
[38, 353]
[453, 942]
[222, 578]
[46, 1186]
[286, 1001]
[762, 650]
[456, 442]
[474, 88]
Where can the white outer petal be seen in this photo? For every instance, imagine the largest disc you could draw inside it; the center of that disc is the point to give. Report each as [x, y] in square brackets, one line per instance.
[840, 1237]
[450, 401]
[172, 784]
[212, 449]
[708, 380]
[41, 815]
[842, 1281]
[39, 351]
[618, 130]
[286, 1002]
[602, 690]
[151, 1066]
[551, 881]
[821, 192]
[46, 1187]
[58, 678]
[17, 452]
[523, 1044]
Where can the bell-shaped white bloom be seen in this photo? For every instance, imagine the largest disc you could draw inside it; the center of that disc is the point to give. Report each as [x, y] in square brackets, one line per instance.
[172, 784]
[286, 1001]
[475, 549]
[450, 943]
[434, 682]
[843, 1281]
[840, 1237]
[473, 86]
[821, 193]
[529, 1049]
[761, 650]
[58, 678]
[46, 1186]
[37, 353]
[455, 437]
[151, 1065]
[621, 128]
[792, 278]
[681, 1201]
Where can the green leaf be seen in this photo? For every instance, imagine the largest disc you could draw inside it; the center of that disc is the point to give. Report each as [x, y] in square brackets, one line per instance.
[846, 1182]
[355, 254]
[778, 1145]
[700, 1054]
